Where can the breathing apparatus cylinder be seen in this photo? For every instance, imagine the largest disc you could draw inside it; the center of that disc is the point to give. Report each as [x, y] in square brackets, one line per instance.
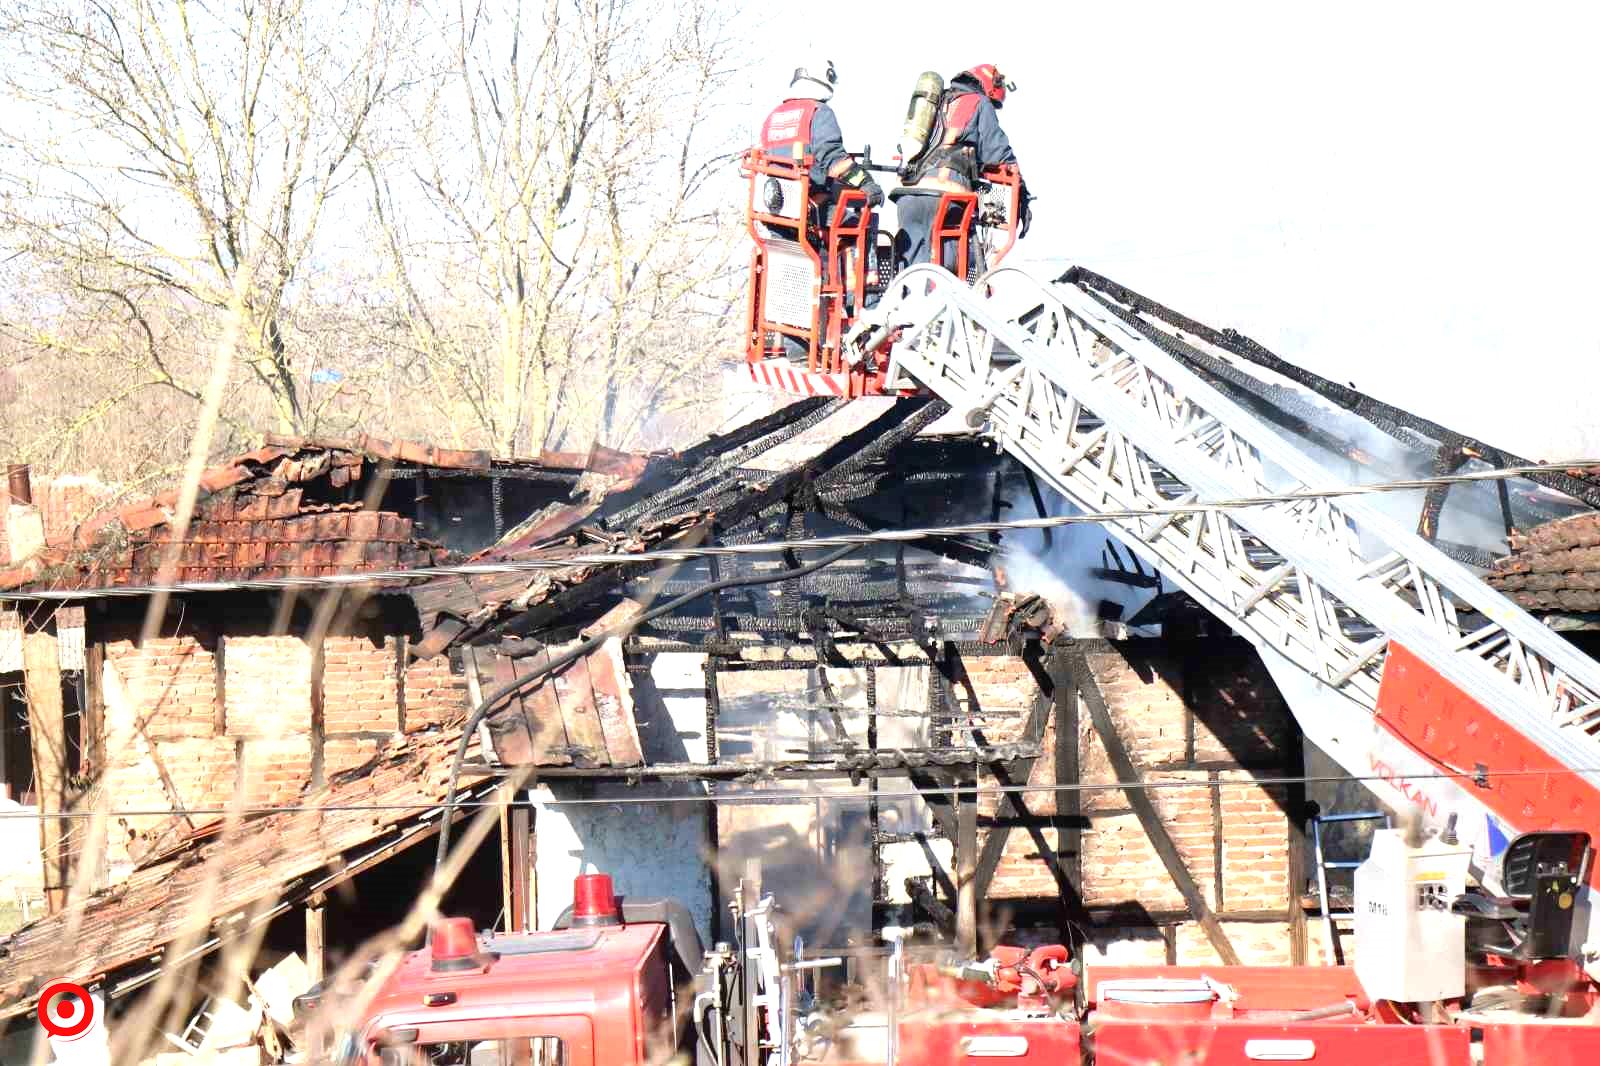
[920, 117]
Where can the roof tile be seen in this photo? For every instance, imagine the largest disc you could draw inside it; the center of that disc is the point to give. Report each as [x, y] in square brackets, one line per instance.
[139, 518]
[365, 525]
[89, 529]
[255, 500]
[223, 477]
[285, 506]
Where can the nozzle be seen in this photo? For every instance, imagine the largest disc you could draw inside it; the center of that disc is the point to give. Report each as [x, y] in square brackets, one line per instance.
[1449, 834]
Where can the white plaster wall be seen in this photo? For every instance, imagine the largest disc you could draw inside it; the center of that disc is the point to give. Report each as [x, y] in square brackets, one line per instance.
[680, 685]
[650, 850]
[1110, 946]
[21, 870]
[903, 859]
[652, 839]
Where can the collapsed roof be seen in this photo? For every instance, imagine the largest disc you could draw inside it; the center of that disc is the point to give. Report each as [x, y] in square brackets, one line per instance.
[304, 507]
[223, 880]
[828, 460]
[1554, 567]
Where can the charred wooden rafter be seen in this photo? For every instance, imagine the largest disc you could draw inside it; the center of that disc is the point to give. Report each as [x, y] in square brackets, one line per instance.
[1403, 426]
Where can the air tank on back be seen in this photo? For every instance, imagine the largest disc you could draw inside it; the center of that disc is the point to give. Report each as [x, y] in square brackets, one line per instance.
[921, 114]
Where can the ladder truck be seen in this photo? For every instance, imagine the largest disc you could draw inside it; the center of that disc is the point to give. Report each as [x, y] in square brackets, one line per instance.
[1477, 939]
[1397, 659]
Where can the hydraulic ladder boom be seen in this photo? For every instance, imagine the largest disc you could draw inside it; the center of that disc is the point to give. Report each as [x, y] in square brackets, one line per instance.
[1328, 588]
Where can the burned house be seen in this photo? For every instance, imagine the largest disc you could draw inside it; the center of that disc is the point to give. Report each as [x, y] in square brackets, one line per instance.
[164, 717]
[694, 666]
[907, 735]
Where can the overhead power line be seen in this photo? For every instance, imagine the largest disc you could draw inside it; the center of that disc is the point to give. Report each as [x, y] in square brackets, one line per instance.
[367, 578]
[779, 797]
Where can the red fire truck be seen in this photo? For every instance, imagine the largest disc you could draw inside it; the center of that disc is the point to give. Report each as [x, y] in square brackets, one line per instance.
[620, 982]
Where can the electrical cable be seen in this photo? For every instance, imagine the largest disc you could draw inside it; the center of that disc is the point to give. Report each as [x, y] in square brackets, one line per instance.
[578, 651]
[784, 797]
[887, 536]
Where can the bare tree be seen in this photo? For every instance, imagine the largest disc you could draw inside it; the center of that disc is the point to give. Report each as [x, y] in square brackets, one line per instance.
[561, 259]
[154, 153]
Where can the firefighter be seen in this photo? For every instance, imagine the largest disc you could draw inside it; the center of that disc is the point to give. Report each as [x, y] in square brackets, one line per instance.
[804, 123]
[967, 137]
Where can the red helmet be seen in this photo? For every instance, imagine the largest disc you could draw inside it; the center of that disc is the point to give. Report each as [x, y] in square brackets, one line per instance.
[995, 85]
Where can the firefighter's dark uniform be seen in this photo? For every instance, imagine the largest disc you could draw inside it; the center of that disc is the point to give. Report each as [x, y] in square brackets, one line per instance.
[972, 140]
[799, 126]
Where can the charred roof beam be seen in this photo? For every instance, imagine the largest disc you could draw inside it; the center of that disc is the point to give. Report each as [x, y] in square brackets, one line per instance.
[1397, 423]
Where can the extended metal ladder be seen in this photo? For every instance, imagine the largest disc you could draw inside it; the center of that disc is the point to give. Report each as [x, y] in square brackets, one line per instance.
[1324, 584]
[1324, 864]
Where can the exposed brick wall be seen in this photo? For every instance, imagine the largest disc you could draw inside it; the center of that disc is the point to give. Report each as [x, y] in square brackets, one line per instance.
[169, 684]
[346, 753]
[434, 695]
[1205, 716]
[1255, 844]
[1120, 864]
[1005, 687]
[275, 769]
[358, 685]
[146, 774]
[169, 744]
[63, 501]
[1259, 943]
[268, 686]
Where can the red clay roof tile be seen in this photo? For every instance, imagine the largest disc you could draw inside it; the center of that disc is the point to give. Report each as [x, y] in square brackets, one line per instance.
[223, 477]
[139, 518]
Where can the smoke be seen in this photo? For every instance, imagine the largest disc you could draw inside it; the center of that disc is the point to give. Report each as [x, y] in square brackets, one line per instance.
[1067, 570]
[1070, 572]
[1472, 514]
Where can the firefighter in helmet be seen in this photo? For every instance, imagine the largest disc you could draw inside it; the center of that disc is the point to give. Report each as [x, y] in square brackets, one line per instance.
[966, 138]
[804, 124]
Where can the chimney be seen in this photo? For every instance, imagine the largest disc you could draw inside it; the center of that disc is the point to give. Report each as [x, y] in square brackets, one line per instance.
[24, 521]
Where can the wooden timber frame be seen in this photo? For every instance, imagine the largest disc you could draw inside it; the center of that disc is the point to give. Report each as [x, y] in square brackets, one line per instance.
[1066, 688]
[1145, 809]
[518, 899]
[41, 665]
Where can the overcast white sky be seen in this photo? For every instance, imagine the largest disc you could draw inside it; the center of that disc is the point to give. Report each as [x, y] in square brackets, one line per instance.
[1398, 196]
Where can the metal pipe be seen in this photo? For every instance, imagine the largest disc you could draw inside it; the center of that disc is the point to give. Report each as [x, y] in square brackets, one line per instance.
[19, 484]
[896, 935]
[1336, 1010]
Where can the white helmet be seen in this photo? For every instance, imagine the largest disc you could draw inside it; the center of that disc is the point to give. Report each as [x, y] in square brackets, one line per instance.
[814, 80]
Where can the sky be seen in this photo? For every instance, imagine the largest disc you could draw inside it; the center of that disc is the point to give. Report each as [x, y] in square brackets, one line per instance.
[1401, 197]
